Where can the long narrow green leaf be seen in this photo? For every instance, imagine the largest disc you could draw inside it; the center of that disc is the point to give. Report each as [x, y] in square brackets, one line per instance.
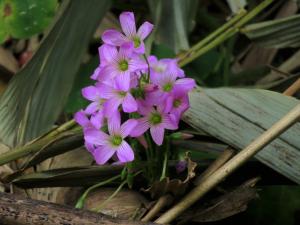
[280, 33]
[238, 116]
[173, 19]
[75, 176]
[37, 94]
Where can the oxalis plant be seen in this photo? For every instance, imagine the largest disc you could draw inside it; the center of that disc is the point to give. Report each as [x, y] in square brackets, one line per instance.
[135, 101]
[136, 104]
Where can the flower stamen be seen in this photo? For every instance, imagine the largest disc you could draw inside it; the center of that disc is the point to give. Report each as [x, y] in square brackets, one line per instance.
[155, 118]
[116, 140]
[123, 65]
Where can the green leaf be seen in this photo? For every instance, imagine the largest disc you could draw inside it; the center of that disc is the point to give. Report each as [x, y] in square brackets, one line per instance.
[67, 142]
[24, 18]
[238, 116]
[280, 33]
[75, 176]
[162, 51]
[37, 94]
[207, 68]
[75, 100]
[173, 20]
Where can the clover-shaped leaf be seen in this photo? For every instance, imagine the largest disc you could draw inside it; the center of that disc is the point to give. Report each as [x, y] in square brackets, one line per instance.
[24, 18]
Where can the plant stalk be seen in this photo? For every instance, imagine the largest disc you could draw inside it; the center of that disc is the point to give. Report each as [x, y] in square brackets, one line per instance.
[80, 202]
[222, 34]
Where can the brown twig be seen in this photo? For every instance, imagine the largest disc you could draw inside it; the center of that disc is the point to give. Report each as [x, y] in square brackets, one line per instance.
[293, 88]
[162, 202]
[20, 211]
[220, 161]
[254, 147]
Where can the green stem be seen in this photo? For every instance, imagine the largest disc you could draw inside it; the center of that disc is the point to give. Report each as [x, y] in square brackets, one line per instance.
[213, 35]
[148, 77]
[222, 34]
[100, 207]
[64, 127]
[39, 143]
[151, 150]
[165, 163]
[81, 200]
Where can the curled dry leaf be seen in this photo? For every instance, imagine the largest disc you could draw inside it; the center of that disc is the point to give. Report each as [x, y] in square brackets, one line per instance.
[173, 186]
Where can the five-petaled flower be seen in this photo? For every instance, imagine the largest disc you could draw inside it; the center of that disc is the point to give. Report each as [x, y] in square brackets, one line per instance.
[116, 38]
[113, 142]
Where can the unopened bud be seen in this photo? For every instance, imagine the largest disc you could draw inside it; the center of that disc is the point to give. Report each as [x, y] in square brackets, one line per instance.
[181, 136]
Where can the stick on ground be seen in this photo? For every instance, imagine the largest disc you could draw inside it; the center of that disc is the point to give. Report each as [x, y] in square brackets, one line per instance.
[21, 211]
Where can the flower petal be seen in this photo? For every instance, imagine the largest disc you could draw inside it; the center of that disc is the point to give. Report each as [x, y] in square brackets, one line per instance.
[170, 123]
[102, 154]
[114, 123]
[107, 53]
[105, 90]
[111, 106]
[125, 152]
[97, 120]
[129, 104]
[96, 73]
[113, 37]
[140, 49]
[157, 133]
[96, 137]
[81, 118]
[168, 104]
[141, 127]
[92, 108]
[144, 30]
[128, 23]
[90, 147]
[107, 73]
[90, 93]
[126, 50]
[127, 127]
[123, 81]
[137, 64]
[184, 84]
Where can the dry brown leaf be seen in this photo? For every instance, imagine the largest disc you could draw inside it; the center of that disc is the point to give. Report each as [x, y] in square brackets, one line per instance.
[227, 205]
[124, 205]
[173, 186]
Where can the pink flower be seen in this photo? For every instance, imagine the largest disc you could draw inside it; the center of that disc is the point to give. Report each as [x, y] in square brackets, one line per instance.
[167, 85]
[154, 91]
[96, 120]
[158, 67]
[115, 38]
[115, 97]
[106, 145]
[155, 119]
[119, 65]
[92, 93]
[177, 103]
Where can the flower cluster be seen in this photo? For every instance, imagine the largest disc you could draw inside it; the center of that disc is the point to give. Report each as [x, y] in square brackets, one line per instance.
[151, 94]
